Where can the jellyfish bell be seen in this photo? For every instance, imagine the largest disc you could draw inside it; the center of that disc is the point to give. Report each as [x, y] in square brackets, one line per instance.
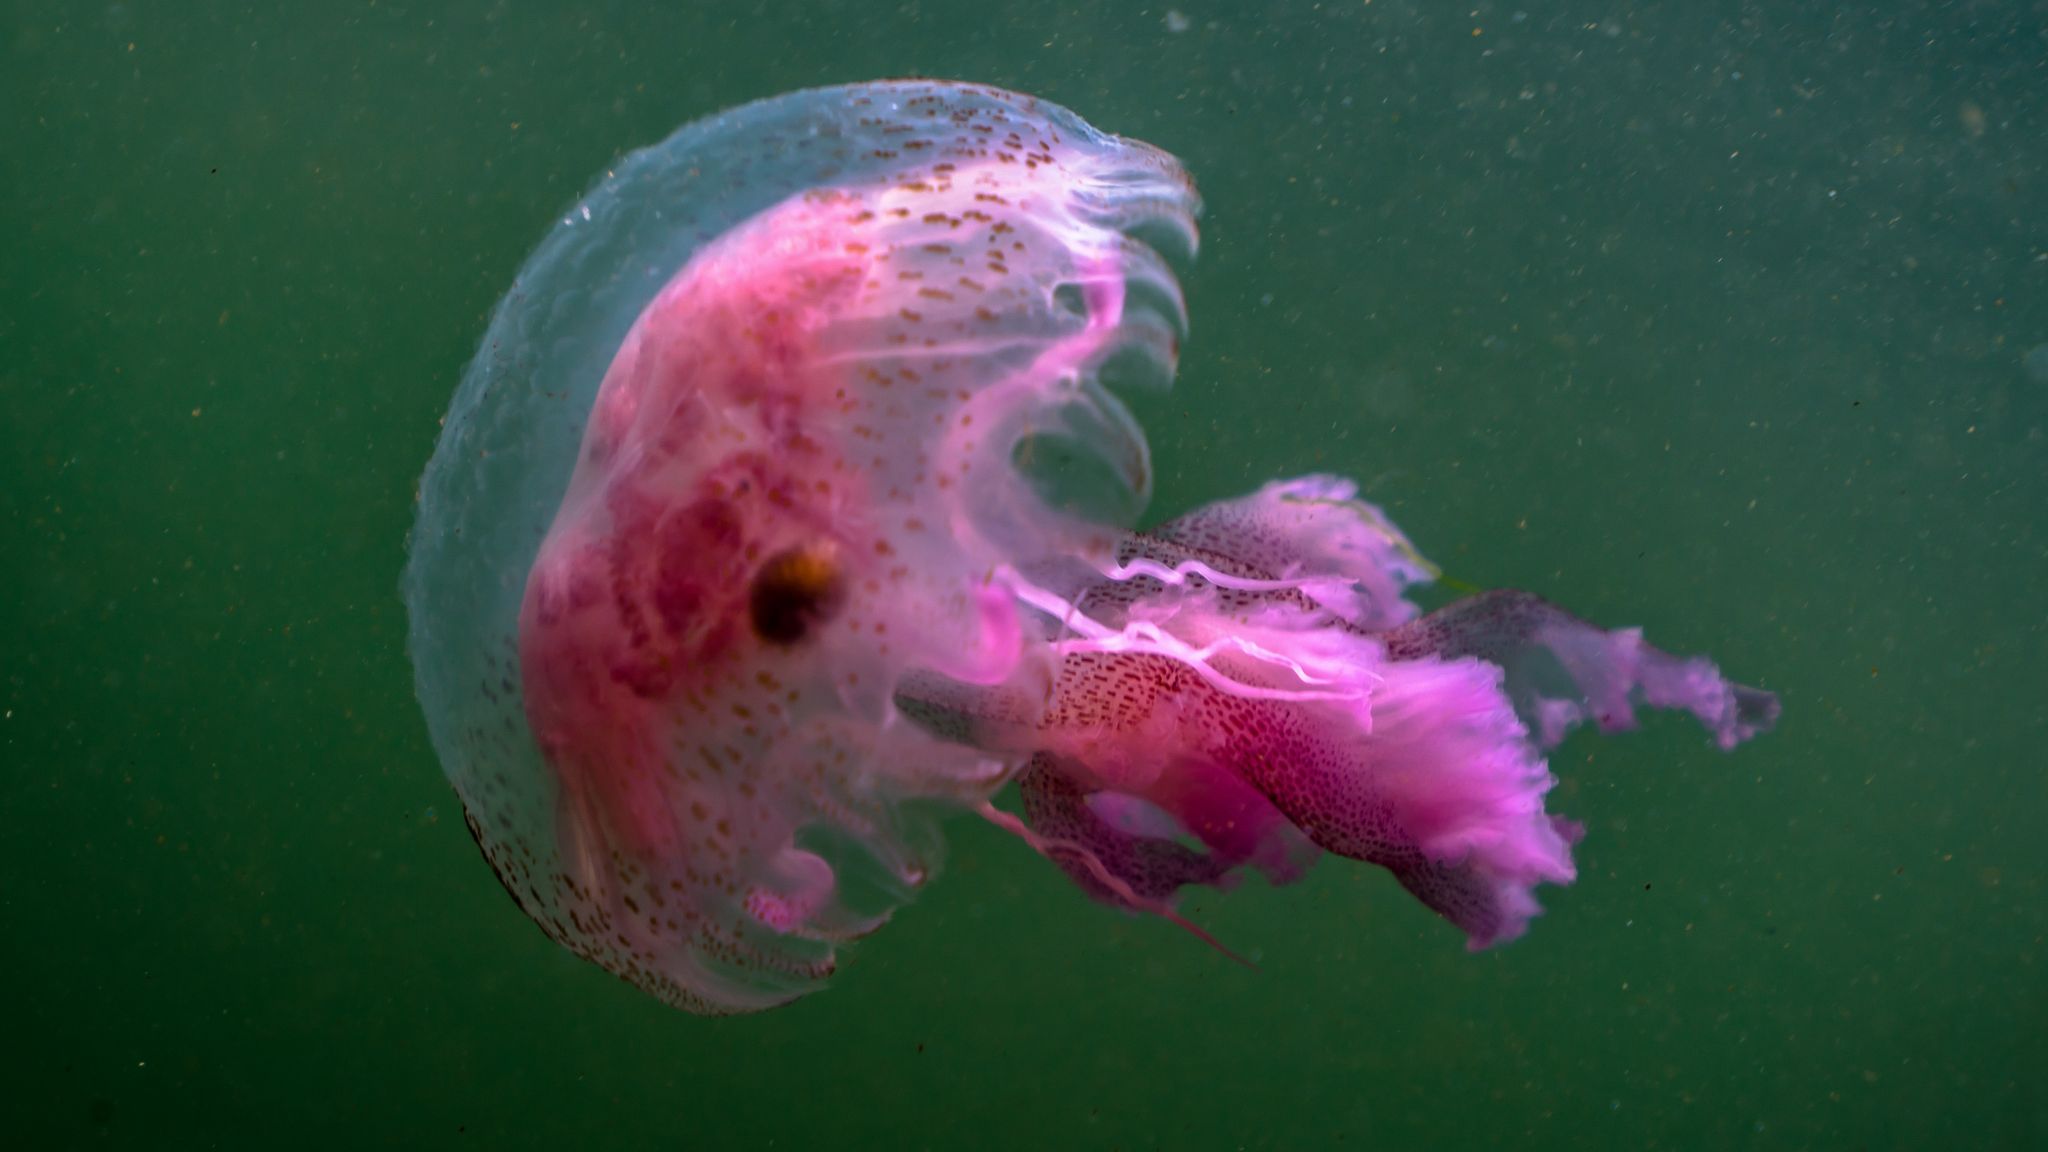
[763, 426]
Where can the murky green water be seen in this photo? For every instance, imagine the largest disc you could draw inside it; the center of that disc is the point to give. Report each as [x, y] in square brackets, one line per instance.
[1723, 319]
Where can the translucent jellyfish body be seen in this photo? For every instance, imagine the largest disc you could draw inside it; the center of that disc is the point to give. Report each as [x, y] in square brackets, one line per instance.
[785, 510]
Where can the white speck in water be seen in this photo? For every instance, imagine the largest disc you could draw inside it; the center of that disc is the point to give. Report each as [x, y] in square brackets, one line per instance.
[2036, 363]
[1176, 21]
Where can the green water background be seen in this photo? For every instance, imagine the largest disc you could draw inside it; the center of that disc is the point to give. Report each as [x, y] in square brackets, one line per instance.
[1711, 317]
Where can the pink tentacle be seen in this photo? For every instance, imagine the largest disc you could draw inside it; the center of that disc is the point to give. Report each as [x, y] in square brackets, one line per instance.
[1110, 880]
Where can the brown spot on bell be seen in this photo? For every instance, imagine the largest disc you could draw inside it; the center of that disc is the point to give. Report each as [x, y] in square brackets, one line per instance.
[795, 591]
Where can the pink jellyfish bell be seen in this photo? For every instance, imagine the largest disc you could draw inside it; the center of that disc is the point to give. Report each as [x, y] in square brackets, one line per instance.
[762, 429]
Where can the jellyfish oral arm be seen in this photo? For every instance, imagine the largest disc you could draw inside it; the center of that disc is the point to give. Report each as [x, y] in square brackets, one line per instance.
[1085, 858]
[1310, 678]
[1175, 680]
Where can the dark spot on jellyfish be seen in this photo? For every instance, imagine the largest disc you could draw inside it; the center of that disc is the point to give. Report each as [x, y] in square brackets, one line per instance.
[795, 591]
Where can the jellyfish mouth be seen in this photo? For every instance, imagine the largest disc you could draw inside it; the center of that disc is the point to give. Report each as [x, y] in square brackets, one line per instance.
[795, 591]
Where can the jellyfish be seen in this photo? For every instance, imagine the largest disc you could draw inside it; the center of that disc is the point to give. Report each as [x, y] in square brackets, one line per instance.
[788, 509]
